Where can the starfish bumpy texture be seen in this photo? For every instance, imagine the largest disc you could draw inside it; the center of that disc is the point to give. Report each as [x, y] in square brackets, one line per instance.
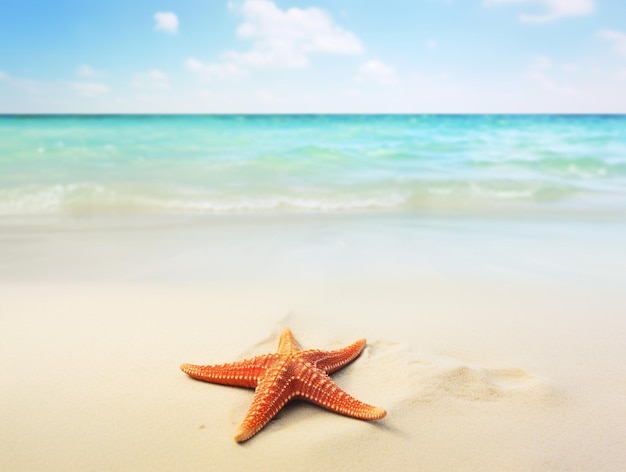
[288, 374]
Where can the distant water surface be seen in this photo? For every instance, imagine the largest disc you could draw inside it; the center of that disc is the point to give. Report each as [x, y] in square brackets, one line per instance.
[55, 165]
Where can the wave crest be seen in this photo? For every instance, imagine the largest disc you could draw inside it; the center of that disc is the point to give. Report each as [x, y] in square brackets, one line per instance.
[90, 197]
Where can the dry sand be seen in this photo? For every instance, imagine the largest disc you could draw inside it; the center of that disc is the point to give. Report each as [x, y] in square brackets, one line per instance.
[485, 376]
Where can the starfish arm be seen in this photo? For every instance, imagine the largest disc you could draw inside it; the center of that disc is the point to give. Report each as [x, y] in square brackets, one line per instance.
[287, 343]
[241, 374]
[319, 388]
[272, 392]
[331, 361]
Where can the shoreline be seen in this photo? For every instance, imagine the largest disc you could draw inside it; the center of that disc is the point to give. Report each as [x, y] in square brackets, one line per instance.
[310, 248]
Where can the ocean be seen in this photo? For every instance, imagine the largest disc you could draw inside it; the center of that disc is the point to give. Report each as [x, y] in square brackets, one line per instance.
[204, 198]
[51, 165]
[482, 257]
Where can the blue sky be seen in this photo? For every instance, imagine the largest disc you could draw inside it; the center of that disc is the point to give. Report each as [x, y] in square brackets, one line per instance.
[346, 56]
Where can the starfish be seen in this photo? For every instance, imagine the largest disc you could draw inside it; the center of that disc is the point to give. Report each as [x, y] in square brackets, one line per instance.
[288, 374]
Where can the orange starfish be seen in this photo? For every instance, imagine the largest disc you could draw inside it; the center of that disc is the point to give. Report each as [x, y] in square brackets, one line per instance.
[290, 373]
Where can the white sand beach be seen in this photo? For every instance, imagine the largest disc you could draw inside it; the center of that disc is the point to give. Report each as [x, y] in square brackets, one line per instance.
[476, 372]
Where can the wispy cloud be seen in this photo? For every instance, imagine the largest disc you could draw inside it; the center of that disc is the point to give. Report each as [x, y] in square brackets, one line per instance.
[220, 71]
[286, 38]
[153, 79]
[90, 89]
[85, 70]
[541, 73]
[617, 38]
[26, 85]
[266, 96]
[378, 72]
[166, 21]
[551, 9]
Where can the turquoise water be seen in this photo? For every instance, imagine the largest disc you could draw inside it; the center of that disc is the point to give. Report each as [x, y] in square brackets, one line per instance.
[322, 164]
[312, 197]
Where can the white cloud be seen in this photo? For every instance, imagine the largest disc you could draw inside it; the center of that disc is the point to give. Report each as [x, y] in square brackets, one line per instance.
[617, 38]
[431, 44]
[85, 71]
[286, 38]
[90, 89]
[553, 9]
[166, 21]
[220, 71]
[378, 72]
[153, 79]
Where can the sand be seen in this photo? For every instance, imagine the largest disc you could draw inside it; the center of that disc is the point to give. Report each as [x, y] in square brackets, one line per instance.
[476, 374]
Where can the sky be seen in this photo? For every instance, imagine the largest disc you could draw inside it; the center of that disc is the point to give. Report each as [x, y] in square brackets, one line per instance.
[313, 56]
